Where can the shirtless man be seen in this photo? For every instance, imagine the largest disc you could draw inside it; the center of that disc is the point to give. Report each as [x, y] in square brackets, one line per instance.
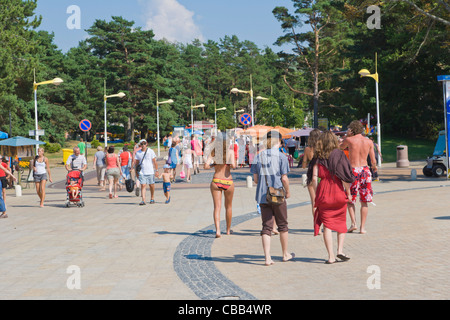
[359, 148]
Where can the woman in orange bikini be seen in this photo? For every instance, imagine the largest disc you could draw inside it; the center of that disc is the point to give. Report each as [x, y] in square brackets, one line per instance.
[222, 158]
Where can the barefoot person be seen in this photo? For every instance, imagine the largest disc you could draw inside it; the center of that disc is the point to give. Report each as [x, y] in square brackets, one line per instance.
[3, 214]
[41, 173]
[331, 196]
[359, 149]
[270, 168]
[222, 159]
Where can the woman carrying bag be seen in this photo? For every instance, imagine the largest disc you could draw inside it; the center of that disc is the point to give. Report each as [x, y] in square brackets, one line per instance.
[270, 170]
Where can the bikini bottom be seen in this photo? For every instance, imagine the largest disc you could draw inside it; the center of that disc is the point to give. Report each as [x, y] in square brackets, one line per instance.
[223, 184]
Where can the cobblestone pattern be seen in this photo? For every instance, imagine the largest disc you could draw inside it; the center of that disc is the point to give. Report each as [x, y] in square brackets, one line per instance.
[193, 264]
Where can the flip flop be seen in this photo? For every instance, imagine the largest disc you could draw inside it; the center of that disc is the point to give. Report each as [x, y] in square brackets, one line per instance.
[351, 229]
[330, 262]
[142, 203]
[343, 257]
[3, 216]
[152, 201]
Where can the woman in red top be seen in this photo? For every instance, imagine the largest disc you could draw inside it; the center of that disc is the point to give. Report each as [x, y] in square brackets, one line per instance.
[5, 170]
[331, 196]
[3, 179]
[113, 171]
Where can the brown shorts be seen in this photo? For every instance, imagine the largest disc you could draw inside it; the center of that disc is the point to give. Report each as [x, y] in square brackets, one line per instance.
[271, 212]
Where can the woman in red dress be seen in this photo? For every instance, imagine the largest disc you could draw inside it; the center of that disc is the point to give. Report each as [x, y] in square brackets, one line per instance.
[332, 194]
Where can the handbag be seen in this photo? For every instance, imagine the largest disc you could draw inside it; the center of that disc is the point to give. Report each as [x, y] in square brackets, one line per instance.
[275, 196]
[129, 184]
[169, 157]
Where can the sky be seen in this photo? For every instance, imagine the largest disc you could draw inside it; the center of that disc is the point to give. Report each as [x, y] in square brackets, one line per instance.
[175, 20]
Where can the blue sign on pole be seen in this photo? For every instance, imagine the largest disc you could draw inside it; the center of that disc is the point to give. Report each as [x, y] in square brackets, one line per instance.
[85, 125]
[245, 119]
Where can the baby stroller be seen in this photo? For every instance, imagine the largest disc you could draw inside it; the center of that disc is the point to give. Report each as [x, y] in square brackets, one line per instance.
[74, 179]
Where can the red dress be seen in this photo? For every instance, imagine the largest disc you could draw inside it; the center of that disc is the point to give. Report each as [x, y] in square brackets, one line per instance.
[331, 203]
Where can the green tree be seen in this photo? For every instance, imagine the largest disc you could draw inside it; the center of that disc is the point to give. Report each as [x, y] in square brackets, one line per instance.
[315, 49]
[126, 57]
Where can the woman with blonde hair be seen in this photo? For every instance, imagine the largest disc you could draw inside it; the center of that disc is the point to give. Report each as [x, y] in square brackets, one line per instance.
[331, 196]
[222, 159]
[41, 173]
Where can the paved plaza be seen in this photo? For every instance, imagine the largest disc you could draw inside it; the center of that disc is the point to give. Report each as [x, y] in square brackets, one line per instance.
[116, 249]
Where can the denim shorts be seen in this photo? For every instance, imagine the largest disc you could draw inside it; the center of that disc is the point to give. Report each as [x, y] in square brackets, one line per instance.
[147, 179]
[40, 177]
[166, 187]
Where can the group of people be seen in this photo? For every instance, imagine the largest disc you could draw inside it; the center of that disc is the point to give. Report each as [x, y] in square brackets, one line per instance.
[334, 181]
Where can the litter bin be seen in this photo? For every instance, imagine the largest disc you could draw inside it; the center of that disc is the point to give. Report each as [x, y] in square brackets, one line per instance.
[402, 157]
[66, 154]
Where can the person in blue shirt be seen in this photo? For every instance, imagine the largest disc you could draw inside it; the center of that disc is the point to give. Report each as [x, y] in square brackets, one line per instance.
[270, 168]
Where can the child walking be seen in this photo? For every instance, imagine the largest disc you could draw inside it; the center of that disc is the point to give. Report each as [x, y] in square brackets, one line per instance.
[167, 176]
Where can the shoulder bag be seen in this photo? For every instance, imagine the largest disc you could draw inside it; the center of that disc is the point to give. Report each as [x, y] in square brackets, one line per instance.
[139, 166]
[274, 196]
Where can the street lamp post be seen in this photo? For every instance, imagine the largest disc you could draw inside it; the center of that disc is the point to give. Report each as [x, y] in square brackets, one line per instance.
[215, 114]
[192, 114]
[235, 116]
[236, 91]
[366, 73]
[105, 98]
[259, 98]
[157, 119]
[56, 82]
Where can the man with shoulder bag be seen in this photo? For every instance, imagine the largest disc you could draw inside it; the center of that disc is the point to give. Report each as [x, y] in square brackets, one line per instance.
[270, 171]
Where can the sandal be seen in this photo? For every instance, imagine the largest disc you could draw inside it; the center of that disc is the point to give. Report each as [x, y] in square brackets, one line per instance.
[152, 201]
[3, 215]
[330, 262]
[343, 257]
[142, 203]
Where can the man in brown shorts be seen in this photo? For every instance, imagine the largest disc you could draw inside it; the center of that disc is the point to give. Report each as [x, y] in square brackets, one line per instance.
[359, 148]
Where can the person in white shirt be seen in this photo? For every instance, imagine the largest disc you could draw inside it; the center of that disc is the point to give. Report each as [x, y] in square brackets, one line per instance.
[146, 159]
[76, 161]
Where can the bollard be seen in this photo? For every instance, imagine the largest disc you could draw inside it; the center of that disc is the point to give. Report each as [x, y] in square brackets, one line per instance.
[18, 190]
[413, 174]
[249, 182]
